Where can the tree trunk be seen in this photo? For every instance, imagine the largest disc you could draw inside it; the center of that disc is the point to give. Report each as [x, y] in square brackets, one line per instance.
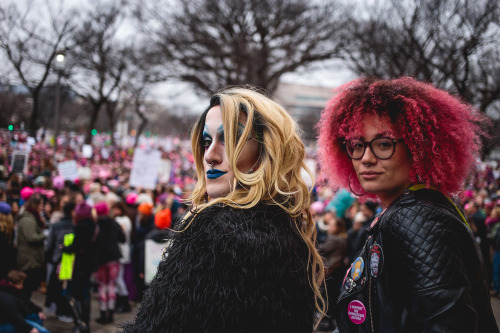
[144, 122]
[33, 121]
[93, 119]
[111, 112]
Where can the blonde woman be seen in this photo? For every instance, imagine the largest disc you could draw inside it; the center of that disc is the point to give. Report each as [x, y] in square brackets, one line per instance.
[8, 257]
[243, 259]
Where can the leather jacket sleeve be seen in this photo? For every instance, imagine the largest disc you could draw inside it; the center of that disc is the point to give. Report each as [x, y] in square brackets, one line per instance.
[430, 250]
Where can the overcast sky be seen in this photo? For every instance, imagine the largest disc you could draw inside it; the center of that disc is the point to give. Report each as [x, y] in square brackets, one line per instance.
[330, 74]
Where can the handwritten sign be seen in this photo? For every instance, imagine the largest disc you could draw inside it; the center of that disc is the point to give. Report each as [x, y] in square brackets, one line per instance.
[68, 170]
[145, 166]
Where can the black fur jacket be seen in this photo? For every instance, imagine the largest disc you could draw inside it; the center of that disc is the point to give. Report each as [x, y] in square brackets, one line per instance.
[232, 270]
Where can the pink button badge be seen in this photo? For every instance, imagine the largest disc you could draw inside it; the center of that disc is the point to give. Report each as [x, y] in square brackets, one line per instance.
[356, 312]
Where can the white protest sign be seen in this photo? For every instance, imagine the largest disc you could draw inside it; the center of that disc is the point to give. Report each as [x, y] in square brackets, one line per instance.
[104, 153]
[87, 151]
[84, 173]
[164, 171]
[68, 170]
[145, 166]
[153, 254]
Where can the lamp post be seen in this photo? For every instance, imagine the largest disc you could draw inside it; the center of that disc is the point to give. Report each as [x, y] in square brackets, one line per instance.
[59, 67]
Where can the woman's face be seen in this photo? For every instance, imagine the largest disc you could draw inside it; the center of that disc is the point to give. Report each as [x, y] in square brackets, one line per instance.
[387, 179]
[333, 228]
[47, 209]
[218, 173]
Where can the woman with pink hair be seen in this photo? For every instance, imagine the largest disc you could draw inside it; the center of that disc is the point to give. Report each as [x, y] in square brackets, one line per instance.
[411, 146]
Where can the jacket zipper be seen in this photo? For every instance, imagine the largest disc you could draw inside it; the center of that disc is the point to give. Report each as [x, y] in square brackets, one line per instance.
[370, 302]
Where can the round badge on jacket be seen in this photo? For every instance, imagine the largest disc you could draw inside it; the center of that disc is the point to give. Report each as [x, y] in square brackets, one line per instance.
[356, 312]
[376, 260]
[357, 268]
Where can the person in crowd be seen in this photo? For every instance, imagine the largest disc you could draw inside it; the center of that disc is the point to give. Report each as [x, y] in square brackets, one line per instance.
[110, 236]
[317, 210]
[143, 225]
[163, 222]
[55, 243]
[58, 203]
[411, 146]
[84, 247]
[17, 313]
[334, 250]
[7, 250]
[477, 217]
[30, 244]
[493, 224]
[119, 213]
[244, 258]
[358, 234]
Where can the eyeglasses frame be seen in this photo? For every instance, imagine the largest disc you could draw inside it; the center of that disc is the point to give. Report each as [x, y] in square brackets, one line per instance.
[369, 144]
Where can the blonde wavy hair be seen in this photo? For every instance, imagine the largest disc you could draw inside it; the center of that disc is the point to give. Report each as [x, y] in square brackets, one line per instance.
[276, 179]
[7, 226]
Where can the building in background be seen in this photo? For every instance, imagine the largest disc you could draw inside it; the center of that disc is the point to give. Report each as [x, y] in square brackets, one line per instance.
[304, 103]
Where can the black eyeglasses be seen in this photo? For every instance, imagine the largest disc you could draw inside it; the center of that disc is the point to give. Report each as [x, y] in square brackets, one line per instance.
[383, 148]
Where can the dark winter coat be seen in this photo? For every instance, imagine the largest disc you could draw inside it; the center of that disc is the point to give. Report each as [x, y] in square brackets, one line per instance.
[14, 307]
[85, 246]
[110, 234]
[422, 272]
[333, 250]
[232, 270]
[55, 240]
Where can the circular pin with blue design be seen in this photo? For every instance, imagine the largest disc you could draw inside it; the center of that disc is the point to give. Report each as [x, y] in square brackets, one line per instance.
[357, 268]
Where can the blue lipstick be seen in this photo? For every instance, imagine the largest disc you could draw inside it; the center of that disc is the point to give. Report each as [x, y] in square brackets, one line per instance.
[214, 173]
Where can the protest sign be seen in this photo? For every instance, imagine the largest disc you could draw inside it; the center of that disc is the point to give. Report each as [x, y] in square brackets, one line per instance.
[19, 161]
[153, 255]
[164, 171]
[87, 151]
[68, 170]
[145, 166]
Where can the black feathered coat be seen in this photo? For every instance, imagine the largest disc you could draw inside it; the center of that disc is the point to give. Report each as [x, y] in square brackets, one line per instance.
[232, 270]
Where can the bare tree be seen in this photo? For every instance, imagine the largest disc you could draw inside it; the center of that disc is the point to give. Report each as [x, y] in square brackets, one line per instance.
[216, 43]
[15, 108]
[144, 68]
[31, 44]
[454, 44]
[99, 60]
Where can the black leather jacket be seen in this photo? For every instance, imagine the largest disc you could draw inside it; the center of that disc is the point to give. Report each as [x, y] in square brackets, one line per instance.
[422, 271]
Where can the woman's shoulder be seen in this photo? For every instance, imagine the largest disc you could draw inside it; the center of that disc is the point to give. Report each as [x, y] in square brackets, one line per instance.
[262, 213]
[415, 210]
[26, 217]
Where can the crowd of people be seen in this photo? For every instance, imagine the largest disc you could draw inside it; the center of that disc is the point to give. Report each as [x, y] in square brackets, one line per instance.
[69, 237]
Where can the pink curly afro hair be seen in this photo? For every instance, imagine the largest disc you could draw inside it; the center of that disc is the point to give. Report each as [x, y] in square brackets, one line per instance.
[441, 132]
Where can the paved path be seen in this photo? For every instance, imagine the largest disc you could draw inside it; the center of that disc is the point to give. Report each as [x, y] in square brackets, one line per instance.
[55, 326]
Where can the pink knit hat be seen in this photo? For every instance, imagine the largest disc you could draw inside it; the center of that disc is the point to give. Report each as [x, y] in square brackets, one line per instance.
[131, 198]
[26, 193]
[83, 211]
[101, 208]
